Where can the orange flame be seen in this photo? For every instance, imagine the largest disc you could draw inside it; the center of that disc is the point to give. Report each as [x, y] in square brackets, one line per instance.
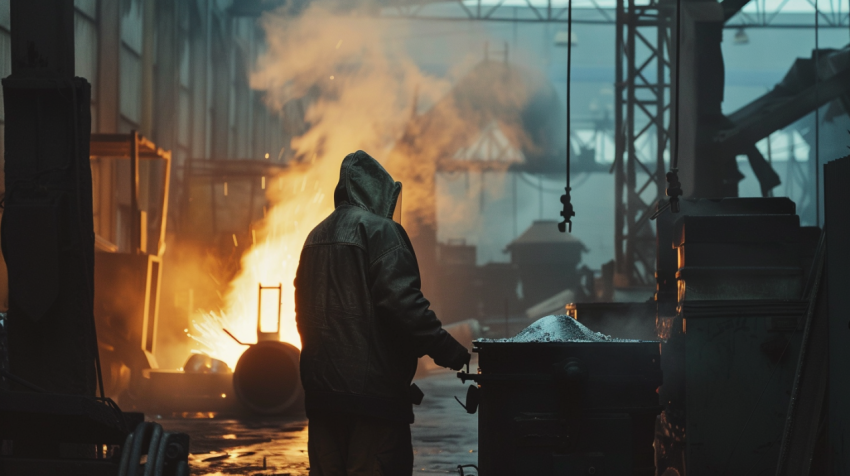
[301, 200]
[365, 106]
[357, 88]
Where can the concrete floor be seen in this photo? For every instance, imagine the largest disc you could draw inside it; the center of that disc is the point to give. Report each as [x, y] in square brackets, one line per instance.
[444, 436]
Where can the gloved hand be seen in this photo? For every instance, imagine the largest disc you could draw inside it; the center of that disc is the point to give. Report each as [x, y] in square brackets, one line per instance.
[462, 361]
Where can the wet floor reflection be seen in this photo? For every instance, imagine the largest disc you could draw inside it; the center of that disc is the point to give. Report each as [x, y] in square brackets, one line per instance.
[444, 436]
[269, 446]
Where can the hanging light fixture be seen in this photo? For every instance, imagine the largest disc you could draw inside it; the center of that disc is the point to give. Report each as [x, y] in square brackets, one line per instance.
[566, 38]
[741, 37]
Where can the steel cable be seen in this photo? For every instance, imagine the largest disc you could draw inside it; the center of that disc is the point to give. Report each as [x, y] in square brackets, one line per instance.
[674, 187]
[568, 213]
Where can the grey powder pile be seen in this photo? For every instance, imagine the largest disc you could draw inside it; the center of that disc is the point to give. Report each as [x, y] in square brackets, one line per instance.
[557, 329]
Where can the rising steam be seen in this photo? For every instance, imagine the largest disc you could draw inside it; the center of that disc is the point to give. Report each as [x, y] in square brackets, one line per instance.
[363, 91]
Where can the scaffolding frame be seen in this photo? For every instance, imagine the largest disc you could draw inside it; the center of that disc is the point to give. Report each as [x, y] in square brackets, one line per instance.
[642, 39]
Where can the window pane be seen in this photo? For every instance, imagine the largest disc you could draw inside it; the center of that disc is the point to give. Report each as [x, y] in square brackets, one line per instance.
[183, 118]
[130, 85]
[94, 125]
[184, 63]
[85, 51]
[131, 26]
[183, 14]
[89, 7]
[5, 20]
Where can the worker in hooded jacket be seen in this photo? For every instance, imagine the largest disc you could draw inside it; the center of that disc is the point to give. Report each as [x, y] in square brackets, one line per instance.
[364, 323]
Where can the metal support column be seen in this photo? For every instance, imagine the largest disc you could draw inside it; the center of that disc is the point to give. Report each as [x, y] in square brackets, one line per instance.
[48, 238]
[642, 103]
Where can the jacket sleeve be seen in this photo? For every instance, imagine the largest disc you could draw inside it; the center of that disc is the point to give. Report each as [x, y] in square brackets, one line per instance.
[400, 305]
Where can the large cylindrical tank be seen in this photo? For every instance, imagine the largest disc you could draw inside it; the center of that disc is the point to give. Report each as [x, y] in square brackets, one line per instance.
[560, 399]
[267, 378]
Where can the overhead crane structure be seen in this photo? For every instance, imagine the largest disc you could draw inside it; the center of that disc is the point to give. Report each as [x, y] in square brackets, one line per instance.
[643, 66]
[641, 93]
[596, 12]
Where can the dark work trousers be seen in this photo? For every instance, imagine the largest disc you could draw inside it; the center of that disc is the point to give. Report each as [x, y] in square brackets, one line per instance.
[354, 445]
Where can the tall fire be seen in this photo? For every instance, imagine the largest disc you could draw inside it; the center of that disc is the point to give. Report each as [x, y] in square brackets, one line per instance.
[360, 89]
[301, 198]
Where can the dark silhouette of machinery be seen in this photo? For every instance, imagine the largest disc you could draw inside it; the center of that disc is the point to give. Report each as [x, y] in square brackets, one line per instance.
[267, 378]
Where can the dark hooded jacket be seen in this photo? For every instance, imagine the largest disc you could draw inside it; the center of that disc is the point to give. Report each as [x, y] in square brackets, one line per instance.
[362, 317]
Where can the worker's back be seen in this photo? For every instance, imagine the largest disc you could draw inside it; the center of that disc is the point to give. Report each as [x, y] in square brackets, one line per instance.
[362, 317]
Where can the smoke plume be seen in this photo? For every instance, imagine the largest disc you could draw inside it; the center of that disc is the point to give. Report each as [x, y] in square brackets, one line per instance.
[365, 92]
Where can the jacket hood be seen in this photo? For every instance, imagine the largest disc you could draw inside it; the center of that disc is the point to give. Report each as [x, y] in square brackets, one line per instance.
[364, 183]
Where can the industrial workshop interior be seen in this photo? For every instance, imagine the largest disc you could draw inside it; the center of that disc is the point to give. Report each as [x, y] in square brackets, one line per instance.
[397, 237]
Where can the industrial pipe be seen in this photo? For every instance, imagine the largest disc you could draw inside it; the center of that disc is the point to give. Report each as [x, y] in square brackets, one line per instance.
[267, 378]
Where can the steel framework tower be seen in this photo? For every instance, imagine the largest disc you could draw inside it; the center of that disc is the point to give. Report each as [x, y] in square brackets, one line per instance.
[641, 114]
[642, 98]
